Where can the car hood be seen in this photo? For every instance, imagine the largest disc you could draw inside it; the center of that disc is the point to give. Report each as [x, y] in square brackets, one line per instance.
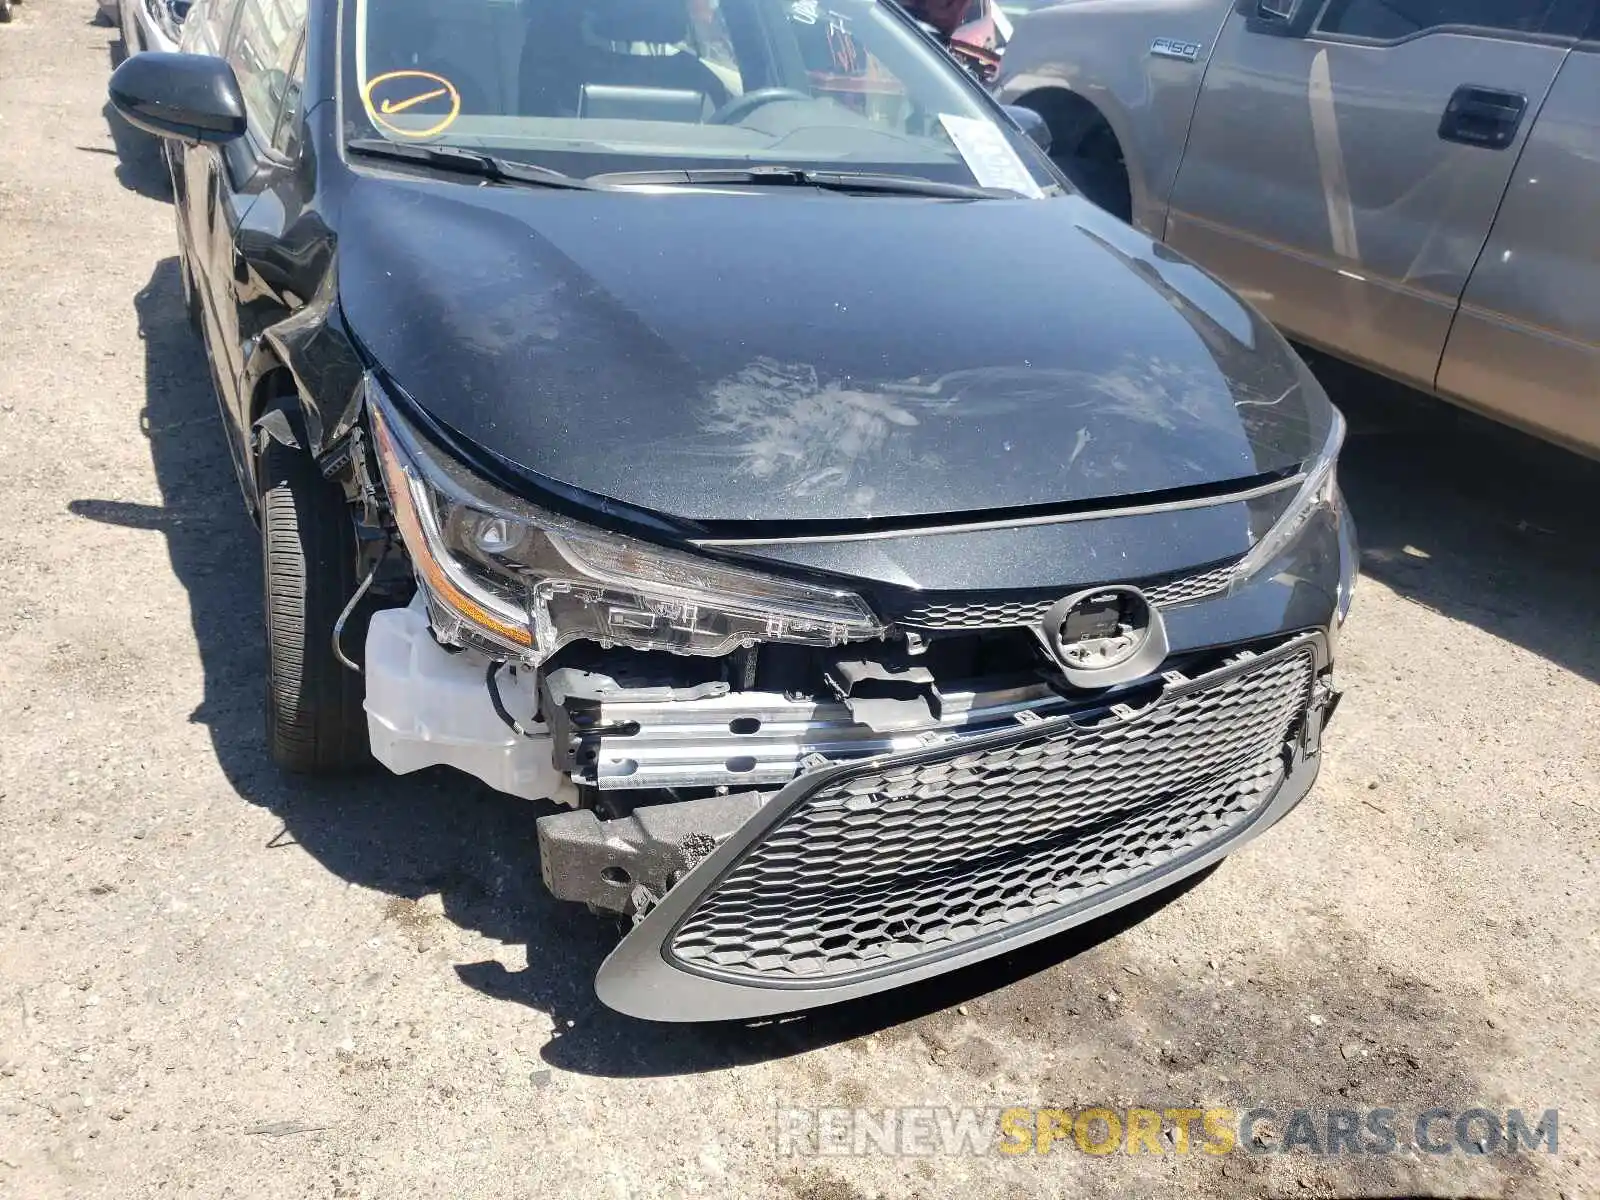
[810, 357]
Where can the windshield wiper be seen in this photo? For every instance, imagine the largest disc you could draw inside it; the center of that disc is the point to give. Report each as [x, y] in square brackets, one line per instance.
[468, 162]
[831, 181]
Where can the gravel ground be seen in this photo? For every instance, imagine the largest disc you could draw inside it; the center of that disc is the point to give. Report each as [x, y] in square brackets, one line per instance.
[215, 981]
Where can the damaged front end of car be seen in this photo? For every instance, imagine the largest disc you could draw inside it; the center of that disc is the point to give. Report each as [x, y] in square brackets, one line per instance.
[798, 792]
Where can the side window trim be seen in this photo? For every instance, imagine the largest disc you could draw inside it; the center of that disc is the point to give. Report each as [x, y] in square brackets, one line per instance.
[1572, 12]
[1477, 31]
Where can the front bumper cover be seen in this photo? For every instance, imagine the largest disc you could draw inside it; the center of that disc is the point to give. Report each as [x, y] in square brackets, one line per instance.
[644, 978]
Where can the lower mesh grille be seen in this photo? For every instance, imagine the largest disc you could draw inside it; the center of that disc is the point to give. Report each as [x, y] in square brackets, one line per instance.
[1027, 610]
[899, 860]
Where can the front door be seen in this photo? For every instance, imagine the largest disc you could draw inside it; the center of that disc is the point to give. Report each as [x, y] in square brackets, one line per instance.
[1526, 345]
[199, 179]
[1347, 157]
[260, 40]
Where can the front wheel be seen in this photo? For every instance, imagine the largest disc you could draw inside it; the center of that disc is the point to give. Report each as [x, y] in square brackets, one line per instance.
[315, 721]
[5, 12]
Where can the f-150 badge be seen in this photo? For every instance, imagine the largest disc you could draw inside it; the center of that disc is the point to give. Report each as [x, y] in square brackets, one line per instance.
[1175, 48]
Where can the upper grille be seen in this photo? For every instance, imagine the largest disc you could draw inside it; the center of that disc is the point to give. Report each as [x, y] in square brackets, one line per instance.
[960, 615]
[1028, 610]
[1190, 587]
[902, 859]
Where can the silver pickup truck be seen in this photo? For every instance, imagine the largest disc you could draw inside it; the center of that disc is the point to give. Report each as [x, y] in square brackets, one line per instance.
[1410, 185]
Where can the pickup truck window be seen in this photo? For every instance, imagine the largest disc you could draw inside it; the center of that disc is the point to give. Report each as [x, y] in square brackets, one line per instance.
[1390, 20]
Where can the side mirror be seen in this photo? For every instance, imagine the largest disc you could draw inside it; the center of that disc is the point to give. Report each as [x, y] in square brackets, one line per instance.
[193, 97]
[1032, 124]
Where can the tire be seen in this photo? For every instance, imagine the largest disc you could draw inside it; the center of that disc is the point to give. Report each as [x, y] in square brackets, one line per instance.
[1104, 184]
[315, 722]
[1085, 149]
[5, 12]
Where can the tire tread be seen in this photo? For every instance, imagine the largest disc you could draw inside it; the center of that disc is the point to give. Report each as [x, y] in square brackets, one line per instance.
[315, 720]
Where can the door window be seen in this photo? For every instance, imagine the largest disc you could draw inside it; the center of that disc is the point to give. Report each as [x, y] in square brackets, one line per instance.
[1392, 20]
[210, 20]
[709, 38]
[262, 51]
[285, 138]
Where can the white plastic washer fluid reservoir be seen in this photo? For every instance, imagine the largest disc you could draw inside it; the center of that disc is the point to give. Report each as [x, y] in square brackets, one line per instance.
[426, 708]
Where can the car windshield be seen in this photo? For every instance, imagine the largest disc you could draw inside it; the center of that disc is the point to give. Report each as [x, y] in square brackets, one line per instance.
[593, 87]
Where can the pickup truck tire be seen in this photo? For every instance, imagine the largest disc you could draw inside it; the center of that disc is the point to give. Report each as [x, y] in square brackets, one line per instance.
[5, 12]
[315, 720]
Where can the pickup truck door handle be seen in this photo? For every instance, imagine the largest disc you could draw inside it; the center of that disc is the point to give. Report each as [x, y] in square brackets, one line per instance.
[1481, 116]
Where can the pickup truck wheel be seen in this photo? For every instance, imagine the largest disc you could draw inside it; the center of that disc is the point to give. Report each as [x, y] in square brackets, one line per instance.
[1104, 184]
[1085, 149]
[5, 12]
[315, 721]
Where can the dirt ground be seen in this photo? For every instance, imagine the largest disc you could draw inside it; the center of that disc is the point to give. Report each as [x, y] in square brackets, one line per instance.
[218, 982]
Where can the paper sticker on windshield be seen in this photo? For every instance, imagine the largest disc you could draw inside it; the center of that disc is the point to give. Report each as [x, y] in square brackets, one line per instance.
[413, 104]
[991, 159]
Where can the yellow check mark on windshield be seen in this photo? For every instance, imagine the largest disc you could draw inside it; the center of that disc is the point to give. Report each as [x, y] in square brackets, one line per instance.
[394, 106]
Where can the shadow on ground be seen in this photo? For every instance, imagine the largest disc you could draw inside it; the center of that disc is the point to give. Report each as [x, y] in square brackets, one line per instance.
[1412, 486]
[1476, 521]
[141, 163]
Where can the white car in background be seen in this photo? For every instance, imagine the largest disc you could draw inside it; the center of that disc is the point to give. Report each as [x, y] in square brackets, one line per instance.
[148, 24]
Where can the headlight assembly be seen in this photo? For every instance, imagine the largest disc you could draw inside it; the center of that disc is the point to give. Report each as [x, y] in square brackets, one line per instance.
[524, 581]
[1318, 493]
